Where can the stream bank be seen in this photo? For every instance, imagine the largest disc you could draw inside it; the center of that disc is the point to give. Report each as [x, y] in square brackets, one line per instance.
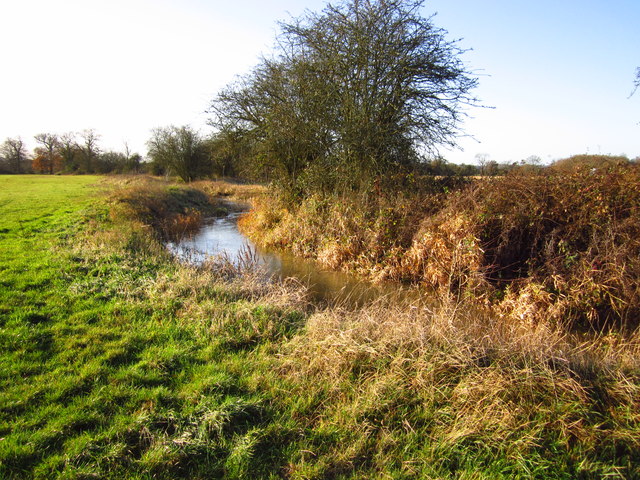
[219, 238]
[386, 390]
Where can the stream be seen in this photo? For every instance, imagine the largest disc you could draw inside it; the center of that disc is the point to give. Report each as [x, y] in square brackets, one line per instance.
[220, 236]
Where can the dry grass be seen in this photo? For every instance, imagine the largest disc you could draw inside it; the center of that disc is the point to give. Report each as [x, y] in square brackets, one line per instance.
[496, 381]
[550, 245]
[462, 379]
[172, 210]
[473, 336]
[233, 191]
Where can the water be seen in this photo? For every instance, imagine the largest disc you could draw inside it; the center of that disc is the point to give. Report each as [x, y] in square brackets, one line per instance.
[218, 236]
[221, 237]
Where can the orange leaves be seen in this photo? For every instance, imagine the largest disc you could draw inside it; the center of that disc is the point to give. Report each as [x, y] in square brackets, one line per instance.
[44, 162]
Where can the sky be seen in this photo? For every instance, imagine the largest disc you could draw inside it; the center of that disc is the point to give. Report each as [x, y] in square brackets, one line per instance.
[555, 76]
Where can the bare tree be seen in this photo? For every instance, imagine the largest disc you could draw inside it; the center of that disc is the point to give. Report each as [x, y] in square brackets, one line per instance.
[15, 152]
[180, 151]
[132, 160]
[482, 159]
[69, 151]
[50, 145]
[352, 93]
[89, 148]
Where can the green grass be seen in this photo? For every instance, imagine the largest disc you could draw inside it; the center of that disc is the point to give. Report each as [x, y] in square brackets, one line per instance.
[99, 373]
[118, 363]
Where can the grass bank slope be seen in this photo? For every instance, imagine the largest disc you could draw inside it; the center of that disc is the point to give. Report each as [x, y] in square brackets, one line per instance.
[110, 365]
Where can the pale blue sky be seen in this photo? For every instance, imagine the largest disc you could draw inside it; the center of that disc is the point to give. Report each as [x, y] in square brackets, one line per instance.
[558, 73]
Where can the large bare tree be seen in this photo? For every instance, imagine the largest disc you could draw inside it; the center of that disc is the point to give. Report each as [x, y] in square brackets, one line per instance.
[89, 148]
[352, 93]
[50, 144]
[14, 151]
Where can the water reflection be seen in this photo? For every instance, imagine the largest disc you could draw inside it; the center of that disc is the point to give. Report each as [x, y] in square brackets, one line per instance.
[221, 237]
[218, 236]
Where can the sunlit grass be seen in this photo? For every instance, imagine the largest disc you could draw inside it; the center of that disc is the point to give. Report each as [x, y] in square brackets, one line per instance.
[103, 369]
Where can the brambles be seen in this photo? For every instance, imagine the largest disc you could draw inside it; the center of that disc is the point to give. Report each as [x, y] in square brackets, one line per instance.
[567, 245]
[553, 245]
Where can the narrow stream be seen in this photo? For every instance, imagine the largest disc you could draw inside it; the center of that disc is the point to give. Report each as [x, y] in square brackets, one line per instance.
[221, 237]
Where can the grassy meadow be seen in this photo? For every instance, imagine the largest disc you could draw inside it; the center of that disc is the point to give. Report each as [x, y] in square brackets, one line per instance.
[103, 372]
[116, 362]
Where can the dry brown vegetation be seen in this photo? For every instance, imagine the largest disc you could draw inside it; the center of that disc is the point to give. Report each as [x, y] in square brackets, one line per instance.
[585, 162]
[551, 246]
[171, 210]
[468, 387]
[239, 192]
[529, 364]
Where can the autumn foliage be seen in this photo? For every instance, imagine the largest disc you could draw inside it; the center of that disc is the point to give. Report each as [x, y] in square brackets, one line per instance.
[43, 162]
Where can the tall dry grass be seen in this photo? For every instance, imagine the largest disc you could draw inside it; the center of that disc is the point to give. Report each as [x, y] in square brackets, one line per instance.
[235, 191]
[469, 388]
[548, 245]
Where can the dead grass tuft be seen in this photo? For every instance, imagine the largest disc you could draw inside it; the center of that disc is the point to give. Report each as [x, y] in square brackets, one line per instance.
[464, 378]
[235, 191]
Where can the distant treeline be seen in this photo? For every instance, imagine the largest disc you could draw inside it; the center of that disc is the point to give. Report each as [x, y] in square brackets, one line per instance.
[78, 153]
[183, 152]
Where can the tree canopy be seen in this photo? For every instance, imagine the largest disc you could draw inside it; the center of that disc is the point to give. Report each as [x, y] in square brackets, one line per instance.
[179, 151]
[14, 152]
[360, 89]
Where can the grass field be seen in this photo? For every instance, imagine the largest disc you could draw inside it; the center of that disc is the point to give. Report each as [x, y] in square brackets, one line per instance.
[116, 362]
[100, 376]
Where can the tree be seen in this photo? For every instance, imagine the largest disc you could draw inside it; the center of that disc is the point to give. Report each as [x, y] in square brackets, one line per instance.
[132, 160]
[45, 162]
[89, 149]
[534, 160]
[48, 159]
[482, 159]
[231, 155]
[15, 153]
[354, 92]
[180, 151]
[636, 83]
[69, 151]
[109, 161]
